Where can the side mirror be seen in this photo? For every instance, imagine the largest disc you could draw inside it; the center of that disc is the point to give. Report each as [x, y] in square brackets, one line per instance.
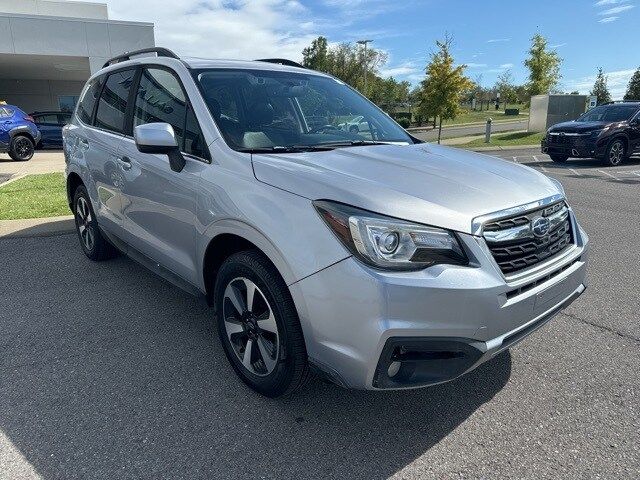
[159, 138]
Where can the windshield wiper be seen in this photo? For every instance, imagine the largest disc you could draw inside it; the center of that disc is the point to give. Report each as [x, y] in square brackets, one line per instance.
[311, 148]
[274, 149]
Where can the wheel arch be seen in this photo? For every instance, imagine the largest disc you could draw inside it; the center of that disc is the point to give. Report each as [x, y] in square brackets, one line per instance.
[231, 237]
[21, 130]
[73, 181]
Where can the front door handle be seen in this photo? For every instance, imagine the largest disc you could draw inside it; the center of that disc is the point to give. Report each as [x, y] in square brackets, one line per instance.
[84, 143]
[125, 163]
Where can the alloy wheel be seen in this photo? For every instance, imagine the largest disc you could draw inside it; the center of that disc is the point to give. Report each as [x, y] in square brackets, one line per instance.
[83, 220]
[616, 153]
[23, 148]
[251, 327]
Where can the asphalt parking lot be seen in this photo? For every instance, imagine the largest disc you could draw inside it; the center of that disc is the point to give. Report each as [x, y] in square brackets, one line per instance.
[107, 371]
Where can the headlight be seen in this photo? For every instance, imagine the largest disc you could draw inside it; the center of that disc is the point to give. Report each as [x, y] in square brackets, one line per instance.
[388, 243]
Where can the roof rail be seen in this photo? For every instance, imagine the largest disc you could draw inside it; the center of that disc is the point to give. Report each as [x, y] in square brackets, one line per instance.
[160, 51]
[620, 101]
[281, 61]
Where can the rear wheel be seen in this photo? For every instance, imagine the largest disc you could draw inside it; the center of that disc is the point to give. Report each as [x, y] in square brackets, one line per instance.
[258, 325]
[93, 243]
[21, 148]
[616, 153]
[559, 158]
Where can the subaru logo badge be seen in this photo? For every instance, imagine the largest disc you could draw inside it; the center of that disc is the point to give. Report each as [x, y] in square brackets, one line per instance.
[540, 226]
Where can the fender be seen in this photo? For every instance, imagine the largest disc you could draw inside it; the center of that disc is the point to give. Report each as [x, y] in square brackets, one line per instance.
[24, 129]
[249, 233]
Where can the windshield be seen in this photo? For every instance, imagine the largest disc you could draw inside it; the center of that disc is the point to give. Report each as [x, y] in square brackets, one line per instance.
[609, 113]
[272, 110]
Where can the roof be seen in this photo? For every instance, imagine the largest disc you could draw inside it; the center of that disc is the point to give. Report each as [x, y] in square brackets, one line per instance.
[197, 63]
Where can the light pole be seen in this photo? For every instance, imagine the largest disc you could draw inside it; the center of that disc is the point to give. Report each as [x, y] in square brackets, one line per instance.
[366, 61]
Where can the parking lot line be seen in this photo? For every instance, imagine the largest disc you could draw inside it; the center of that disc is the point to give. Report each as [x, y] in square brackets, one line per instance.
[608, 174]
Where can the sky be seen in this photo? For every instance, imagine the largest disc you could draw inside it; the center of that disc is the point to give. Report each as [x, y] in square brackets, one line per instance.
[490, 36]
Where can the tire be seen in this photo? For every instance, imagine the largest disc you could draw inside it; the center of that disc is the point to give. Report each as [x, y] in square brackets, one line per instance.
[559, 158]
[276, 362]
[21, 148]
[616, 153]
[93, 243]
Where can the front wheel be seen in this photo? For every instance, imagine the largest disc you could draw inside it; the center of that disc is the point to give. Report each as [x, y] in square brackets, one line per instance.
[21, 148]
[559, 158]
[258, 325]
[616, 153]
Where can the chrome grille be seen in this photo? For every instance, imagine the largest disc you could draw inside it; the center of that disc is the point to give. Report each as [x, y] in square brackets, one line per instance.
[523, 240]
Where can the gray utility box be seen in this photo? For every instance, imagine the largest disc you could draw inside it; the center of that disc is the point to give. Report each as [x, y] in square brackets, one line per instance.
[547, 110]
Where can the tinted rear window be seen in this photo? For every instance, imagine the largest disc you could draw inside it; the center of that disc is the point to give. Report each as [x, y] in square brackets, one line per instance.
[113, 101]
[88, 100]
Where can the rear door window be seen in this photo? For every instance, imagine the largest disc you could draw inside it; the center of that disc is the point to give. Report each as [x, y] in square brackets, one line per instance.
[89, 99]
[113, 101]
[51, 119]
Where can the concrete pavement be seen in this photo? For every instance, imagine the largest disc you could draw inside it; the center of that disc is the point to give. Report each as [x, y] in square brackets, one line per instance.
[43, 161]
[467, 130]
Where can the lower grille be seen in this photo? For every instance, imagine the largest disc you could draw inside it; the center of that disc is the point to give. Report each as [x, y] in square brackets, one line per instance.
[524, 240]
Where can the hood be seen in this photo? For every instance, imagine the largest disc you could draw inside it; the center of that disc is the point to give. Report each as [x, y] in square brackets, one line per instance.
[424, 183]
[578, 127]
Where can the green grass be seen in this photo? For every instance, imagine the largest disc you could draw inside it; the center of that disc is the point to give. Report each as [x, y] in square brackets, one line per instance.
[506, 139]
[34, 196]
[475, 116]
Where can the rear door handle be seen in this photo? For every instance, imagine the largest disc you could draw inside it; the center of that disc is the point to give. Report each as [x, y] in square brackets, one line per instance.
[125, 163]
[83, 142]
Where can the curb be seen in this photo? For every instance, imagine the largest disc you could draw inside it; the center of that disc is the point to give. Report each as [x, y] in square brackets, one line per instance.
[37, 227]
[17, 176]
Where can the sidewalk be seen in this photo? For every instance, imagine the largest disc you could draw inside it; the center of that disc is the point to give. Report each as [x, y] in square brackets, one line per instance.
[42, 162]
[37, 227]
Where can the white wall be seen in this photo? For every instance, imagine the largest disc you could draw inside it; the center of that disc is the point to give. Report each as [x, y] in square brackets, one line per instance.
[53, 8]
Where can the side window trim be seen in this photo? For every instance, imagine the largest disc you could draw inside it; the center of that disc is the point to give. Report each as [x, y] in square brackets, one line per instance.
[188, 106]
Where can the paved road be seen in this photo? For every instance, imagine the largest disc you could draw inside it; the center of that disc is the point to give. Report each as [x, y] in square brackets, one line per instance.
[106, 371]
[463, 131]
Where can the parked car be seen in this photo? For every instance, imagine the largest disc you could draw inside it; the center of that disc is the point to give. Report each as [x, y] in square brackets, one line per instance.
[609, 132]
[357, 124]
[50, 125]
[380, 264]
[18, 133]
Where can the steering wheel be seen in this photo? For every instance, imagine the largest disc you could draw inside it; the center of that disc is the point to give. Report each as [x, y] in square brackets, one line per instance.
[323, 128]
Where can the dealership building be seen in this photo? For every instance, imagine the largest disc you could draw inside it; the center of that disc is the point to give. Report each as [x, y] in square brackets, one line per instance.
[48, 49]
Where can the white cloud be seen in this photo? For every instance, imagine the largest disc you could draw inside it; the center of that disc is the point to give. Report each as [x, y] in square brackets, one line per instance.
[557, 45]
[475, 65]
[498, 40]
[607, 19]
[617, 82]
[244, 29]
[402, 70]
[614, 10]
[506, 65]
[600, 3]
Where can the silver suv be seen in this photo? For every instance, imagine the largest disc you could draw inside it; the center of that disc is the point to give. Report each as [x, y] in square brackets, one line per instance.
[371, 258]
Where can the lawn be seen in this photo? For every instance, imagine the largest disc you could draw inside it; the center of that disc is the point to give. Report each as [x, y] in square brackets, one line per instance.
[506, 139]
[476, 116]
[34, 196]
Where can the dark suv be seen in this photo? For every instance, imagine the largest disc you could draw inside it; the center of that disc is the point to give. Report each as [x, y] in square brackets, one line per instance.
[609, 132]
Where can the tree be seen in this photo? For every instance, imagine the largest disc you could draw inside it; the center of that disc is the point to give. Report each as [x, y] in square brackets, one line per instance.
[506, 88]
[444, 85]
[544, 67]
[600, 89]
[633, 89]
[345, 61]
[315, 55]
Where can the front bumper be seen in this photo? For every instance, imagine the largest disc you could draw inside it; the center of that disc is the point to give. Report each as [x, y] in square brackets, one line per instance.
[579, 146]
[369, 329]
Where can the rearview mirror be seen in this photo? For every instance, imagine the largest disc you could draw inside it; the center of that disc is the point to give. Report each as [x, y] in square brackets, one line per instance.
[159, 138]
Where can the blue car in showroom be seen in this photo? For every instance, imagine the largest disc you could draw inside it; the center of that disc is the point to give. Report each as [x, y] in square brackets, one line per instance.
[19, 134]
